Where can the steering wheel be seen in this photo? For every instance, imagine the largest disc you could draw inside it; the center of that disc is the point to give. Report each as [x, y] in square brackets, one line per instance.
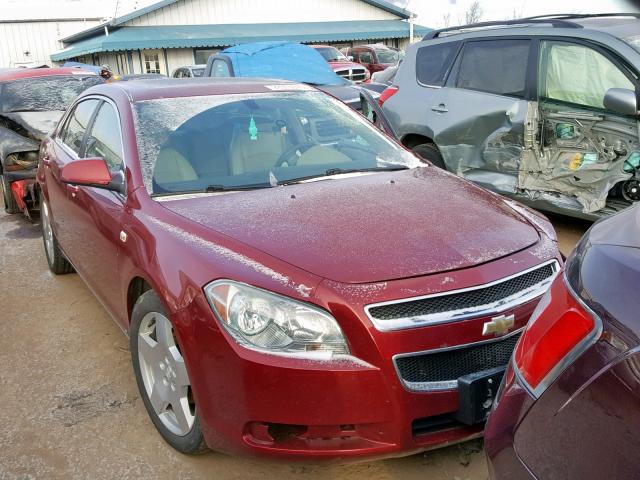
[291, 154]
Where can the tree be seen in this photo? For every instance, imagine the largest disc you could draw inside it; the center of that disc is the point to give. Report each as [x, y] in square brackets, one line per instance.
[446, 20]
[474, 13]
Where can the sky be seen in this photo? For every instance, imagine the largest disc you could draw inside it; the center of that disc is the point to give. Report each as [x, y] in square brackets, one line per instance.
[430, 13]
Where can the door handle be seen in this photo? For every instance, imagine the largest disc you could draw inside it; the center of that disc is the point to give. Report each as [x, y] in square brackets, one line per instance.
[442, 108]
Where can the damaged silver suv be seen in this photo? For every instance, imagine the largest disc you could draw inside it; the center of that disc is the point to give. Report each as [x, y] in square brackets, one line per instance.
[542, 109]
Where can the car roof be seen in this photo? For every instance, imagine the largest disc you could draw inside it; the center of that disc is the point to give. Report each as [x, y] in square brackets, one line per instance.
[20, 73]
[617, 24]
[194, 87]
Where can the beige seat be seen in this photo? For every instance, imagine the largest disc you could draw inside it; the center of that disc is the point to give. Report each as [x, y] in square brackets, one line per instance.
[261, 154]
[171, 167]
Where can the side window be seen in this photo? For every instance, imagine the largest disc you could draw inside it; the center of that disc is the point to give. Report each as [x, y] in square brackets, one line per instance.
[104, 138]
[577, 74]
[432, 63]
[366, 57]
[495, 66]
[220, 68]
[73, 132]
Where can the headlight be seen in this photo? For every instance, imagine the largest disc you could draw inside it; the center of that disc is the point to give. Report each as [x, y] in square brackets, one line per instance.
[275, 324]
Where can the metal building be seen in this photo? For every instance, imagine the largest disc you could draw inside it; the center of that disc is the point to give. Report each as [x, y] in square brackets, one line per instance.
[174, 33]
[30, 42]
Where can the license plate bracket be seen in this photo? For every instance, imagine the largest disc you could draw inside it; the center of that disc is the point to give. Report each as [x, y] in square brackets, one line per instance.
[477, 392]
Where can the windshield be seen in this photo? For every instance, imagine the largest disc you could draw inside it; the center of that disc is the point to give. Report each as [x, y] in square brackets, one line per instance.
[255, 141]
[331, 54]
[44, 94]
[386, 55]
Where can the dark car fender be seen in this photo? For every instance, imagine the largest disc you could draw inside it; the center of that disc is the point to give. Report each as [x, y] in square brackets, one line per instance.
[12, 142]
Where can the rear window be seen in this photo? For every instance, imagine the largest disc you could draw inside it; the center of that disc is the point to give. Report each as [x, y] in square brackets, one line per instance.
[433, 62]
[495, 66]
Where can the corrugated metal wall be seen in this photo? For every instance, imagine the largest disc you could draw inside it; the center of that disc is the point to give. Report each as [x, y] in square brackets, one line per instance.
[190, 12]
[39, 39]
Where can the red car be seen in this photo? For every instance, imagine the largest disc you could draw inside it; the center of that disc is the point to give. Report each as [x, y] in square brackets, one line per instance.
[343, 66]
[375, 58]
[570, 403]
[294, 283]
[32, 100]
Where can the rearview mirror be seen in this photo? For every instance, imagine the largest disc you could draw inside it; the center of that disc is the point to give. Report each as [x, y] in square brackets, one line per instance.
[621, 100]
[91, 172]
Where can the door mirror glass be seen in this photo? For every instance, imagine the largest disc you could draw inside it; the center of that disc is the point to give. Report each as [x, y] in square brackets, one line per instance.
[91, 172]
[372, 112]
[621, 100]
[350, 58]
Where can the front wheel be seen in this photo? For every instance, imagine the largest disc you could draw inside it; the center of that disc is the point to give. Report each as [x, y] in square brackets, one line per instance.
[58, 264]
[429, 152]
[162, 376]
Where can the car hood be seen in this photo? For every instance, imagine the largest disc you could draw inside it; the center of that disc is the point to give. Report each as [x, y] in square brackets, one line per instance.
[340, 65]
[37, 124]
[368, 228]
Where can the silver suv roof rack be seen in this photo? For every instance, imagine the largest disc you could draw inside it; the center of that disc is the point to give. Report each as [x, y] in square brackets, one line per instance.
[553, 22]
[559, 20]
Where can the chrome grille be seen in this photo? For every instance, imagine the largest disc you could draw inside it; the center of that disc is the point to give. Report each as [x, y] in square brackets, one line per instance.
[454, 305]
[353, 74]
[440, 369]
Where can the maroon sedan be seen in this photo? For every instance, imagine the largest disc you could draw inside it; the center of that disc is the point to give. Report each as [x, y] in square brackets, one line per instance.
[570, 403]
[293, 282]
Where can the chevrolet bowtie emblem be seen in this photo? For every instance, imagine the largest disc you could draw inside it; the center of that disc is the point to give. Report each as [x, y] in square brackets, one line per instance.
[498, 325]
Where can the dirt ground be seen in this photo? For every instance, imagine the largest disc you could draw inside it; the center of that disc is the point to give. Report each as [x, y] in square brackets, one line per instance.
[69, 403]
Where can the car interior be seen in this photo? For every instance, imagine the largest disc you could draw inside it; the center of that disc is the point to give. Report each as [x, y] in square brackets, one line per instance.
[247, 142]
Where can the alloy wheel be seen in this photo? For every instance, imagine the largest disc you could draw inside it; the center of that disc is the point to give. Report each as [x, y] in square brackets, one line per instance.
[164, 374]
[47, 232]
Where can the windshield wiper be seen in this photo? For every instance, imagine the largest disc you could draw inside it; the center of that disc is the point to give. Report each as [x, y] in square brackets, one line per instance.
[339, 171]
[225, 188]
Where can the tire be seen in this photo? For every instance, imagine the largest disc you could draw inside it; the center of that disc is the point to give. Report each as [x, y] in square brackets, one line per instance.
[10, 204]
[159, 367]
[430, 153]
[56, 260]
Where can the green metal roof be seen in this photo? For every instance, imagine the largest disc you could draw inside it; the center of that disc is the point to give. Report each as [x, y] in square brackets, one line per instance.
[115, 22]
[192, 36]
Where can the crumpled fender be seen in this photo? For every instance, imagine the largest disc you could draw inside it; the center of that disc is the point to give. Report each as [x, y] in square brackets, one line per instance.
[12, 142]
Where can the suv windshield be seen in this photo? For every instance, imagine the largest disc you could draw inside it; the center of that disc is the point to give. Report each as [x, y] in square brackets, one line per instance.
[386, 55]
[257, 140]
[331, 54]
[44, 94]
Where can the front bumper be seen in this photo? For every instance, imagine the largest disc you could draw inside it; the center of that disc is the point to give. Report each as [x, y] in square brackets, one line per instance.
[356, 408]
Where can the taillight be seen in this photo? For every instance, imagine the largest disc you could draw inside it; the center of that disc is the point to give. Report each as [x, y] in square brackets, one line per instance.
[559, 331]
[387, 94]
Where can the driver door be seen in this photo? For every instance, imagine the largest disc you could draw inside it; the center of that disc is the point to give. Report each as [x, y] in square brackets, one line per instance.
[584, 149]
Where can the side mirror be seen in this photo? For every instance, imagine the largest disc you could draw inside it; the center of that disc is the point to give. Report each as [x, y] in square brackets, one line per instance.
[621, 100]
[350, 58]
[91, 172]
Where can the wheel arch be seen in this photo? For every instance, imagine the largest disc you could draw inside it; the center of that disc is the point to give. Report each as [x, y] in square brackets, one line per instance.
[137, 286]
[414, 139]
